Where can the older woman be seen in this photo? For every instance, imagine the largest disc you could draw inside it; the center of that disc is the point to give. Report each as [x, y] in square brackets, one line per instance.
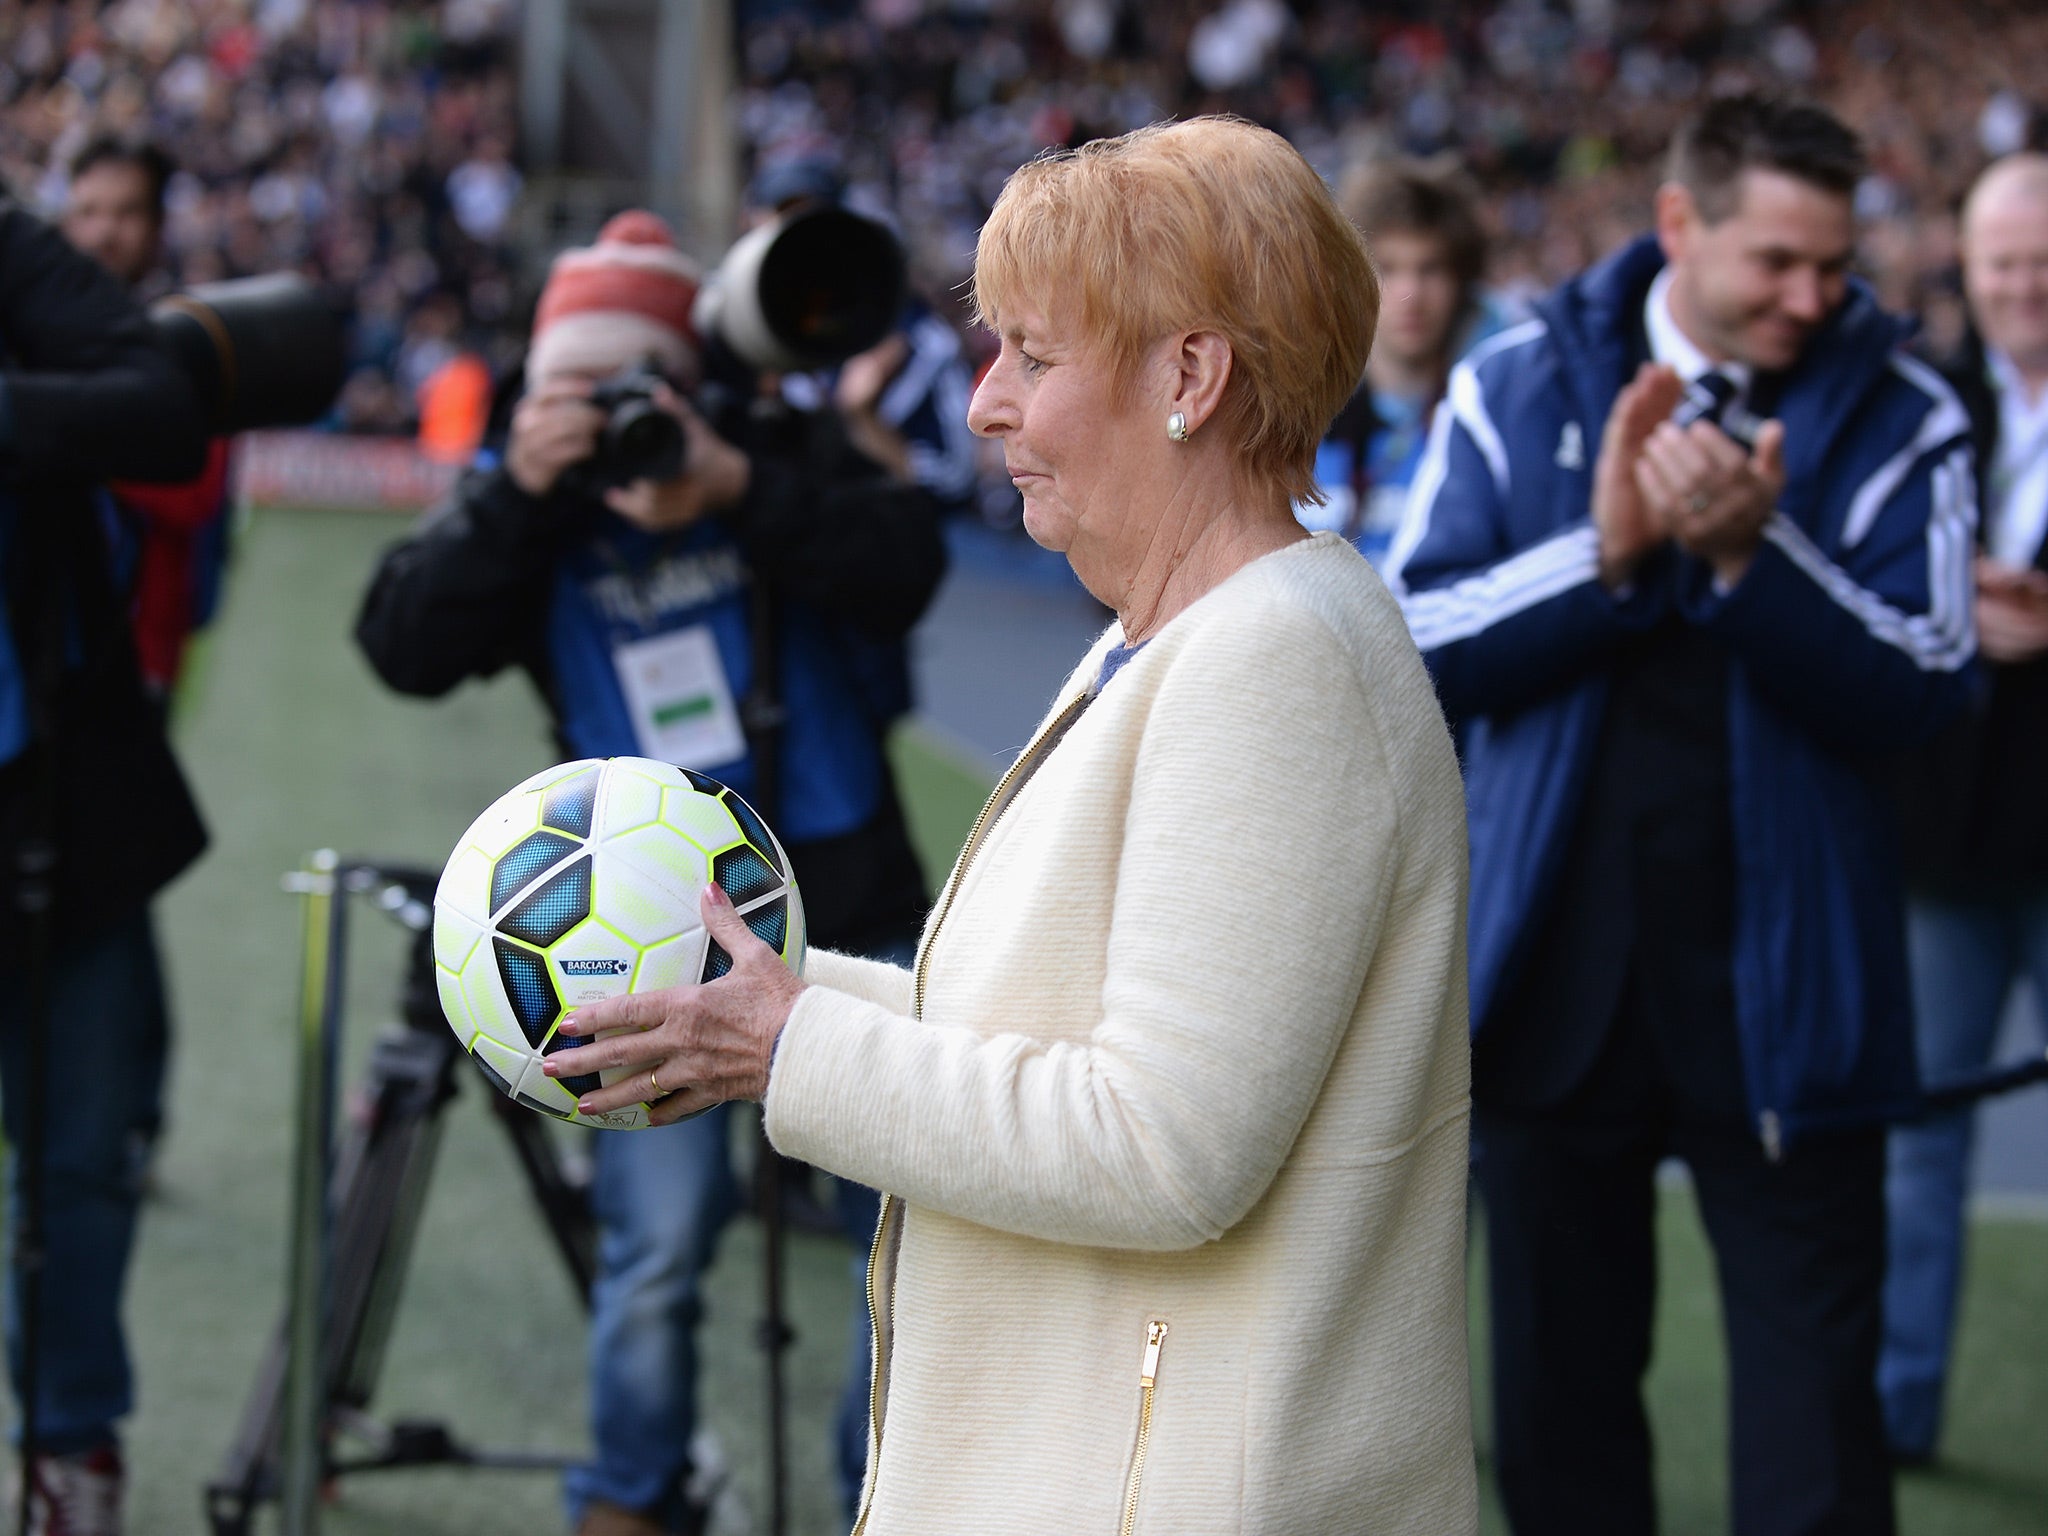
[1172, 1108]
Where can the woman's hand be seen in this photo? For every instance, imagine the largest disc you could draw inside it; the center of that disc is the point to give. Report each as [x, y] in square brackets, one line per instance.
[688, 1047]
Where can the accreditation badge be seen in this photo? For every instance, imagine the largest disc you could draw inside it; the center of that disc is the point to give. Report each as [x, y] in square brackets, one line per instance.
[681, 703]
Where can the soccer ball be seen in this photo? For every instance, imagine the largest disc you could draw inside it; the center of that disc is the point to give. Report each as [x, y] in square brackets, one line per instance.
[581, 884]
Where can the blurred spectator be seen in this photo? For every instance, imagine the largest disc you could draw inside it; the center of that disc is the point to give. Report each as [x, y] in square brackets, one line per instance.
[1676, 560]
[482, 191]
[1976, 817]
[455, 406]
[1423, 225]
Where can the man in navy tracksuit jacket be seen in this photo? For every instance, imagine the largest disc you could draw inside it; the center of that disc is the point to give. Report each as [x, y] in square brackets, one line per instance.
[1688, 553]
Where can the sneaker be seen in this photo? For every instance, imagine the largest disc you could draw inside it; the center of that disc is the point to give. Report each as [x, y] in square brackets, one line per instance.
[709, 1502]
[75, 1495]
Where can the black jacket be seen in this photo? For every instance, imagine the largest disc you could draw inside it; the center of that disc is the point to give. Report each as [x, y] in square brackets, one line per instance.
[1975, 804]
[85, 395]
[468, 593]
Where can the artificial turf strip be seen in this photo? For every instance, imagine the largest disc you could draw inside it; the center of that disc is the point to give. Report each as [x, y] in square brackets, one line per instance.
[293, 745]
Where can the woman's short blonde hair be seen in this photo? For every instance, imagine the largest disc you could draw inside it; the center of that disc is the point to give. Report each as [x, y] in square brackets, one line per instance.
[1209, 224]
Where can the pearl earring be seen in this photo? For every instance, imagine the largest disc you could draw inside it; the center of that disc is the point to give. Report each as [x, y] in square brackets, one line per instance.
[1177, 427]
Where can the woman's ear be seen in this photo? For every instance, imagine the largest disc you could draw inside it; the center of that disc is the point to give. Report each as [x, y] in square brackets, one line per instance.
[1203, 359]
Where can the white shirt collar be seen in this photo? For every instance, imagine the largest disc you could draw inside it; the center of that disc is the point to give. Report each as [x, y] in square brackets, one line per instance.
[1674, 349]
[2012, 388]
[2016, 514]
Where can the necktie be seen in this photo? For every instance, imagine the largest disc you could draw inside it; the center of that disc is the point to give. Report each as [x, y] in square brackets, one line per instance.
[1713, 397]
[1707, 398]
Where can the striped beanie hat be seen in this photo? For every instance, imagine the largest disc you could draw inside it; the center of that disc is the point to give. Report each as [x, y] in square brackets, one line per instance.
[622, 301]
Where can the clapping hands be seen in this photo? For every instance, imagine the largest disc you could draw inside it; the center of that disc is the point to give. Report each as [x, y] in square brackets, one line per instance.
[1693, 485]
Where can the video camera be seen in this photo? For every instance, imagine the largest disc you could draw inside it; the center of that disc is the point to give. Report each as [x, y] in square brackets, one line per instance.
[811, 289]
[260, 351]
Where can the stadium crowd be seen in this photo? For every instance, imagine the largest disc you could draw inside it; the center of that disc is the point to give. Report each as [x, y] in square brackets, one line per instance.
[367, 145]
[375, 145]
[1560, 112]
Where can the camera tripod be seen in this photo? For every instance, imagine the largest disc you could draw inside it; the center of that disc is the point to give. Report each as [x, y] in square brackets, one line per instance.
[355, 1213]
[356, 1210]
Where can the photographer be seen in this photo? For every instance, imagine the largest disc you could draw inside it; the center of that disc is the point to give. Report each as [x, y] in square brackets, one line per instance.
[903, 400]
[646, 613]
[85, 395]
[169, 541]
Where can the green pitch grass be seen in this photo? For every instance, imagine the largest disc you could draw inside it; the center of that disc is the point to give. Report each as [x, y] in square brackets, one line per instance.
[294, 746]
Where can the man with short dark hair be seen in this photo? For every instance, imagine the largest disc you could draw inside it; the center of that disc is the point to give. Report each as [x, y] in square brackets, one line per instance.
[169, 541]
[170, 544]
[1688, 552]
[1422, 222]
[114, 211]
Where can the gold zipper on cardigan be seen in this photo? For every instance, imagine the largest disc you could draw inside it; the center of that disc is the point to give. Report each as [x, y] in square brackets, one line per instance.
[875, 1366]
[1148, 1376]
[998, 802]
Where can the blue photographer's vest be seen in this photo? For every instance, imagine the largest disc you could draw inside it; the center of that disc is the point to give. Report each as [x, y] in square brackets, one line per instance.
[623, 586]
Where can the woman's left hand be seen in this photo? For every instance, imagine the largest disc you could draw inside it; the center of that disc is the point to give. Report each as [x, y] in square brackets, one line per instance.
[689, 1047]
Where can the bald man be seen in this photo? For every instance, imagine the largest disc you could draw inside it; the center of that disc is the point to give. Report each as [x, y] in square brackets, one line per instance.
[1976, 812]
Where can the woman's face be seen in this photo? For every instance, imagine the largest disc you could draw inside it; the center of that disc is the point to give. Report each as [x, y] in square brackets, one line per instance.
[1067, 439]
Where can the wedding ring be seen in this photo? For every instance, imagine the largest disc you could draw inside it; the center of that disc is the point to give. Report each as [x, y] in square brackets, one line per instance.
[655, 1083]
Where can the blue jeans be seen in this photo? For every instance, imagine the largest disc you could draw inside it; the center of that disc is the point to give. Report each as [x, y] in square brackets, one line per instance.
[1965, 956]
[660, 1197]
[100, 997]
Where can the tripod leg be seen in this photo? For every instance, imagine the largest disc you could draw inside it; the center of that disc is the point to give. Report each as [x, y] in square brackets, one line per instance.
[375, 1197]
[564, 1204]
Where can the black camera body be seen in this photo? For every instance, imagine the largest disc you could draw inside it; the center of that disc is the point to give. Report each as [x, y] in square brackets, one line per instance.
[639, 439]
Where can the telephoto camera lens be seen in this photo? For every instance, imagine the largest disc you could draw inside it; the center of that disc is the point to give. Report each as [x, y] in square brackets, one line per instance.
[261, 351]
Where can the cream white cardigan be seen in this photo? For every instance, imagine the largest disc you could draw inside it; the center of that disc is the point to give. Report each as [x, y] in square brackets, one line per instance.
[1192, 1053]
